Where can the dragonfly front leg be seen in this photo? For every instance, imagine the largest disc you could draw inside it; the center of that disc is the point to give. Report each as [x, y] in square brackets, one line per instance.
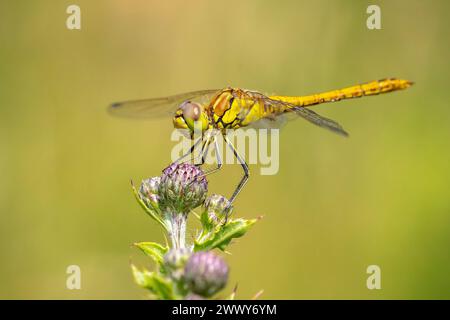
[191, 151]
[218, 158]
[203, 152]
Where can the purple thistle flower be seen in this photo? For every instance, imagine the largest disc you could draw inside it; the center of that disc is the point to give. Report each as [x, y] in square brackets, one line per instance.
[183, 187]
[205, 273]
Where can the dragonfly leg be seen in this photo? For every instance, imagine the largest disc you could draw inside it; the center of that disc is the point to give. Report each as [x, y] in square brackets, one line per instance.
[244, 167]
[191, 151]
[218, 158]
[204, 151]
[243, 181]
[202, 155]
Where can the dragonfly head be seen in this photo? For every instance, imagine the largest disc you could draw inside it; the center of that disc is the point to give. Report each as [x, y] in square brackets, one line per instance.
[192, 116]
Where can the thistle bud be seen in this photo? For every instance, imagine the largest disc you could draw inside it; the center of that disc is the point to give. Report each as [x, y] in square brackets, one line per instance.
[183, 187]
[149, 191]
[205, 273]
[216, 208]
[150, 186]
[193, 296]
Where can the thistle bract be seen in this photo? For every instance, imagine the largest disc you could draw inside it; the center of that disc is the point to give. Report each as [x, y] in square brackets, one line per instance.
[183, 187]
[205, 273]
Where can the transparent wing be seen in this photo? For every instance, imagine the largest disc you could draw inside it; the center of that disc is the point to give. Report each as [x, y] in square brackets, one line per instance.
[157, 107]
[282, 109]
[319, 120]
[272, 123]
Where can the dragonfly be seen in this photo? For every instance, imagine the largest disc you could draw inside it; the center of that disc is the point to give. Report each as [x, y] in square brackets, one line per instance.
[213, 112]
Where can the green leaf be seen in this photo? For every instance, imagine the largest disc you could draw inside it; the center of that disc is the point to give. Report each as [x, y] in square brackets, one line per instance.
[161, 287]
[221, 237]
[206, 221]
[153, 250]
[152, 212]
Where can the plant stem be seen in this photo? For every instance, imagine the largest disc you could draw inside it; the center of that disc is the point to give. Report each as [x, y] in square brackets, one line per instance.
[177, 229]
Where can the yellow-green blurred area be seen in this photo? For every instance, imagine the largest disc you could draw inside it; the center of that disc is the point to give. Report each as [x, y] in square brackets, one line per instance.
[380, 197]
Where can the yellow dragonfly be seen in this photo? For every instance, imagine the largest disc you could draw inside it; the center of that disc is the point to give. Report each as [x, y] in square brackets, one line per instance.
[234, 108]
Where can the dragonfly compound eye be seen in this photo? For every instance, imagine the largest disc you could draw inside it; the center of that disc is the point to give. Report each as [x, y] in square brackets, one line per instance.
[191, 111]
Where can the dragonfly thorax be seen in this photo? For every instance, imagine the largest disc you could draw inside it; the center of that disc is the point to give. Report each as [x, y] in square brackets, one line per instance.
[234, 108]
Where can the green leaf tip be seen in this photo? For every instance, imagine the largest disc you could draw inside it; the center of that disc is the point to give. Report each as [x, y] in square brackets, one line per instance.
[153, 250]
[221, 237]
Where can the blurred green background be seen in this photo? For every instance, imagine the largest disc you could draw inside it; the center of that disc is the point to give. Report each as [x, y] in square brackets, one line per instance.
[337, 205]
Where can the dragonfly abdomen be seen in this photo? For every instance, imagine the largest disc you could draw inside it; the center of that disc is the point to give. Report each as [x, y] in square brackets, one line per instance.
[366, 89]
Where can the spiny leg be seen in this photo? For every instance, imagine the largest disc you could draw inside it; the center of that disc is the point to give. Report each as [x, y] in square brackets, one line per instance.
[243, 180]
[203, 151]
[191, 151]
[218, 158]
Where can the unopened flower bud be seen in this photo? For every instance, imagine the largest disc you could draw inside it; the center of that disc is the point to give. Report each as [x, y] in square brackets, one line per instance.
[217, 207]
[149, 191]
[183, 187]
[193, 296]
[205, 273]
[150, 186]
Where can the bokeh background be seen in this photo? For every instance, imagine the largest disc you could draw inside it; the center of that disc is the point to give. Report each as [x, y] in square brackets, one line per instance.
[337, 205]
